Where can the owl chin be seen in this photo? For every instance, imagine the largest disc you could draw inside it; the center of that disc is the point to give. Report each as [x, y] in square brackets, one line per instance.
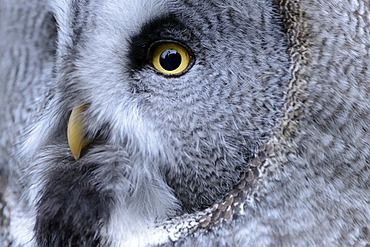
[105, 191]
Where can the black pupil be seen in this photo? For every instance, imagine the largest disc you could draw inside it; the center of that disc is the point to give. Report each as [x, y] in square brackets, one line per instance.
[170, 59]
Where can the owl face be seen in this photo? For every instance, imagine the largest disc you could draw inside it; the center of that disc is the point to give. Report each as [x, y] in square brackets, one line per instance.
[191, 87]
[170, 98]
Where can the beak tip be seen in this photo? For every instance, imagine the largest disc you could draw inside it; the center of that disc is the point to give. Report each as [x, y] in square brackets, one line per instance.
[76, 156]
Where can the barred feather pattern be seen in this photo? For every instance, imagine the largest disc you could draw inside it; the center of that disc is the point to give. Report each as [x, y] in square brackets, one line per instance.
[27, 50]
[295, 173]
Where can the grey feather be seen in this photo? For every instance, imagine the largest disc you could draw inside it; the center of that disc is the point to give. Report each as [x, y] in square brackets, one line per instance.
[263, 141]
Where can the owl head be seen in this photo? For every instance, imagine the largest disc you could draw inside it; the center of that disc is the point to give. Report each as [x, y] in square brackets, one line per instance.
[155, 110]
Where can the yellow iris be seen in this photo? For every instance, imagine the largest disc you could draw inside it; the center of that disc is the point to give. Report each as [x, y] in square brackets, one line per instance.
[170, 58]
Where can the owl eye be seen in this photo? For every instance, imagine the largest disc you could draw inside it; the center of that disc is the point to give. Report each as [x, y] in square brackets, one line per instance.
[171, 58]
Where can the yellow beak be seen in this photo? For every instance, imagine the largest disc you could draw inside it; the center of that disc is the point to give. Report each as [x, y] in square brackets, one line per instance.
[76, 131]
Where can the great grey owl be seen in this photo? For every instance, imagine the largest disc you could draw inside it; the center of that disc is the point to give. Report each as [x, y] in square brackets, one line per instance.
[184, 123]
